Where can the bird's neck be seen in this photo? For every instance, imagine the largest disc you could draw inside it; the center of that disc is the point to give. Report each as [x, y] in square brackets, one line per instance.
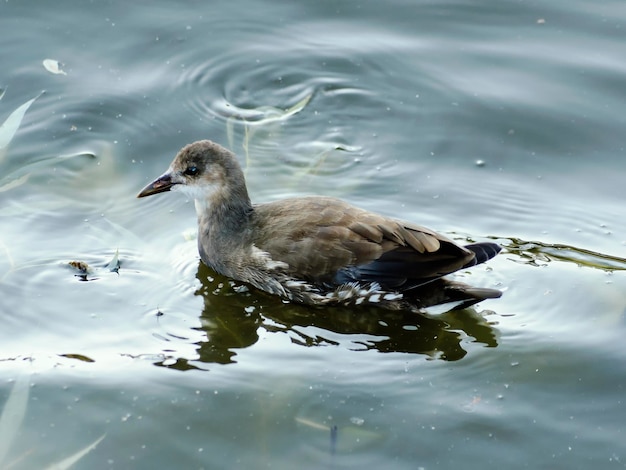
[224, 230]
[224, 213]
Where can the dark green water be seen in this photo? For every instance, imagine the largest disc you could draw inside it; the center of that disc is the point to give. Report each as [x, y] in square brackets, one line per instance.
[483, 120]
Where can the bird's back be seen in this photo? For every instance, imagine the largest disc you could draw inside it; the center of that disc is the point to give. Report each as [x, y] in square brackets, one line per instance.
[329, 241]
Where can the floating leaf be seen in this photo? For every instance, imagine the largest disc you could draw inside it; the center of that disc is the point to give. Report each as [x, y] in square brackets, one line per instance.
[72, 459]
[10, 126]
[12, 415]
[54, 66]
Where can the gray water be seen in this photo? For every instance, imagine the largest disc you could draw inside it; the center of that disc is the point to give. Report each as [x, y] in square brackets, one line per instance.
[483, 120]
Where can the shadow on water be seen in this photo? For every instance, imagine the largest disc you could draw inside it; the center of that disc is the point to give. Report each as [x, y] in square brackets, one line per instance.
[232, 316]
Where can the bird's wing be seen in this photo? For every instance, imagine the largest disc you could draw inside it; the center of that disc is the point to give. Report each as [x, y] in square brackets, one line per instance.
[328, 241]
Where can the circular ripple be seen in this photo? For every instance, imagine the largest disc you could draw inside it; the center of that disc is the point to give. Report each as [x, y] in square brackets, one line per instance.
[289, 109]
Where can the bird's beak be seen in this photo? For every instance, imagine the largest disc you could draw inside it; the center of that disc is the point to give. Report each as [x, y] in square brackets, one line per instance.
[161, 184]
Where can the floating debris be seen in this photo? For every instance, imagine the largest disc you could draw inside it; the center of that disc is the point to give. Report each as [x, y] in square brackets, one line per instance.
[83, 269]
[54, 66]
[533, 251]
[80, 266]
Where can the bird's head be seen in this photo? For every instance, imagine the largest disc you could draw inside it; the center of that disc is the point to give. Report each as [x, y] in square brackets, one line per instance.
[200, 170]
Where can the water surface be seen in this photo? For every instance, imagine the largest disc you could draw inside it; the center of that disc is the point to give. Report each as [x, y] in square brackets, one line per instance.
[483, 121]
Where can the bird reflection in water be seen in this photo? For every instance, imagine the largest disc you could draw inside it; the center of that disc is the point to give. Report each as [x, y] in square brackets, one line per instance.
[233, 313]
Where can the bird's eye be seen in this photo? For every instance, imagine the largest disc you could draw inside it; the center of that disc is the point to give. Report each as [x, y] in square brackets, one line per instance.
[191, 171]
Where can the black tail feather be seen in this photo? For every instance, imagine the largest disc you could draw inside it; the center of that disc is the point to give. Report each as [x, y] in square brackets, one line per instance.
[484, 251]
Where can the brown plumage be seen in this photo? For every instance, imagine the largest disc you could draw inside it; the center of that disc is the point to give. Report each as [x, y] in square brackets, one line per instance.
[316, 250]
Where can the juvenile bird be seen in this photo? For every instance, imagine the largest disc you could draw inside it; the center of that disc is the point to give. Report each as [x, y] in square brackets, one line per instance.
[316, 250]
